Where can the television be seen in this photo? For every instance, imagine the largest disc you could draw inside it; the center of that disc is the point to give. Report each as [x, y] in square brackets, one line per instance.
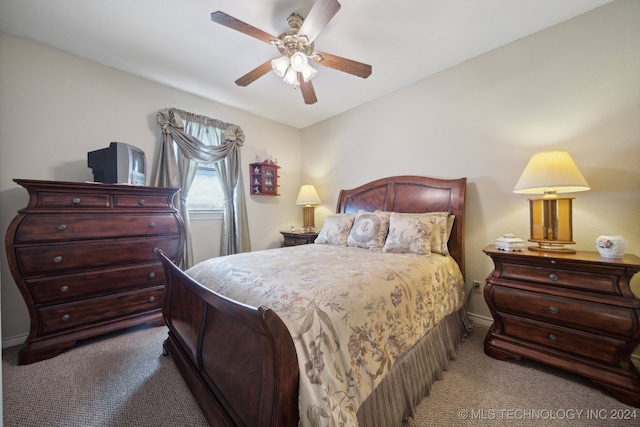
[120, 163]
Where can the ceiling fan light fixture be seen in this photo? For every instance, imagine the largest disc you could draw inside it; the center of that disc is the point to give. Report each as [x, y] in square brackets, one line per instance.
[291, 77]
[299, 61]
[280, 66]
[308, 72]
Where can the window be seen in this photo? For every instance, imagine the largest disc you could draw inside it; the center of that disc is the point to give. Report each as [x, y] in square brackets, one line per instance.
[206, 193]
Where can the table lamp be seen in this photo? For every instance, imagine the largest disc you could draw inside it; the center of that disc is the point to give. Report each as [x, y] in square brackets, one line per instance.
[308, 196]
[550, 173]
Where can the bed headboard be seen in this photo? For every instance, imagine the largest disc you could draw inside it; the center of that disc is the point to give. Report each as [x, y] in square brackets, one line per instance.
[413, 194]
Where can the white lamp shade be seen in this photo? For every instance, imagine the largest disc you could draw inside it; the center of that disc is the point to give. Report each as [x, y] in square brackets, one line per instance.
[291, 77]
[280, 66]
[308, 72]
[298, 61]
[551, 172]
[308, 196]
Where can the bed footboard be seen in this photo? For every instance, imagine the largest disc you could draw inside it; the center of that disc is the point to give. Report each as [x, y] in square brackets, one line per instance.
[239, 361]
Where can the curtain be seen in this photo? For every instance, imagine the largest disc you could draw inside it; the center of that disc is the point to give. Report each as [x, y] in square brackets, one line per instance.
[189, 139]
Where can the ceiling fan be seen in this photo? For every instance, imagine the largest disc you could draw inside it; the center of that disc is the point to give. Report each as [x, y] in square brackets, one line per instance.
[296, 47]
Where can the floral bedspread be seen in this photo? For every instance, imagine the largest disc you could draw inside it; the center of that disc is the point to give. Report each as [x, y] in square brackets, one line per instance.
[351, 312]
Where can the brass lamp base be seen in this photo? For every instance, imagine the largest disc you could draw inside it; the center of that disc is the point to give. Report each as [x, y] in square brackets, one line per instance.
[308, 225]
[557, 248]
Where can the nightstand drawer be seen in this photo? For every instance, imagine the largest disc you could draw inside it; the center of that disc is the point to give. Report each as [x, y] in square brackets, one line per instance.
[580, 343]
[583, 315]
[558, 277]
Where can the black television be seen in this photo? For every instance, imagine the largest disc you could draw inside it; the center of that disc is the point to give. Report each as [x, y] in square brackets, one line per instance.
[120, 163]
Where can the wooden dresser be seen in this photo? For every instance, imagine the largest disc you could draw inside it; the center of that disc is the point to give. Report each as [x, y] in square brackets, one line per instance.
[575, 312]
[84, 258]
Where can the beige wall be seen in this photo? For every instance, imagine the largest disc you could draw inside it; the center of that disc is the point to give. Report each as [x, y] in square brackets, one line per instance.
[56, 107]
[575, 87]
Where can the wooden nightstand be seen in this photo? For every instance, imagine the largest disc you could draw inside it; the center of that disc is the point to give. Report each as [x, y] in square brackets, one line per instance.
[294, 238]
[575, 312]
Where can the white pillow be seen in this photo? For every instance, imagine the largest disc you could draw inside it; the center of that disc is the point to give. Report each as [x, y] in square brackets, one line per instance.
[335, 229]
[369, 230]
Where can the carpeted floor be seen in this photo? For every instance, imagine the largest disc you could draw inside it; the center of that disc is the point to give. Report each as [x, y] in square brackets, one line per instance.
[123, 380]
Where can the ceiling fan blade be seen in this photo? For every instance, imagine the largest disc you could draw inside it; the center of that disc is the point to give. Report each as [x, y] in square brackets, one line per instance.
[320, 14]
[308, 93]
[233, 23]
[342, 64]
[254, 74]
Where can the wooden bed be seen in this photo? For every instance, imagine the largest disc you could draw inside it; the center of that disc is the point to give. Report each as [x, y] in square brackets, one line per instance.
[239, 361]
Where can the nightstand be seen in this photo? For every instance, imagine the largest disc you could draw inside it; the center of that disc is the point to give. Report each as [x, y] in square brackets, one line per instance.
[295, 238]
[575, 312]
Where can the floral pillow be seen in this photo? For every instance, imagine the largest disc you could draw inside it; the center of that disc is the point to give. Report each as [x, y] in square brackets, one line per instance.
[408, 233]
[335, 229]
[440, 225]
[369, 230]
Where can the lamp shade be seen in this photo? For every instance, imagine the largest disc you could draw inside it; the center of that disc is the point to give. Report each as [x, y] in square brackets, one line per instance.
[308, 196]
[551, 172]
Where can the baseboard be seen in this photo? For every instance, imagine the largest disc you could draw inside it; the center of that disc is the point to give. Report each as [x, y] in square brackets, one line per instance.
[13, 341]
[480, 320]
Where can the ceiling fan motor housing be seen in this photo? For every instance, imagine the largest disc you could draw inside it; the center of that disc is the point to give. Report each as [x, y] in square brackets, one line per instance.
[289, 42]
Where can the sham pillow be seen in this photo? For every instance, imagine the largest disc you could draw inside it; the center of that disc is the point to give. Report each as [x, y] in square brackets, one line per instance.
[369, 230]
[335, 229]
[439, 227]
[408, 233]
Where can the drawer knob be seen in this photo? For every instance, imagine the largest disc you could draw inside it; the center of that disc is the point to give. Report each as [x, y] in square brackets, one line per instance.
[553, 338]
[141, 202]
[65, 288]
[57, 259]
[66, 317]
[152, 299]
[553, 310]
[152, 224]
[62, 227]
[152, 275]
[155, 250]
[553, 277]
[76, 200]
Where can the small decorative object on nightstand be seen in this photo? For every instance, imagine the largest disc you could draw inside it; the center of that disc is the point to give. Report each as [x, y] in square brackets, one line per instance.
[611, 246]
[572, 311]
[295, 238]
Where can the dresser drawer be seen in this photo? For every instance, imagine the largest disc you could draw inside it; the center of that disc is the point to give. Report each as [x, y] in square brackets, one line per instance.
[559, 277]
[585, 315]
[579, 343]
[72, 287]
[84, 313]
[59, 227]
[68, 200]
[61, 257]
[142, 201]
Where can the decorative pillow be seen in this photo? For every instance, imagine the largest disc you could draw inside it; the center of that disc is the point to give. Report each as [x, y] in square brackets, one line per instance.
[335, 229]
[439, 223]
[408, 233]
[369, 230]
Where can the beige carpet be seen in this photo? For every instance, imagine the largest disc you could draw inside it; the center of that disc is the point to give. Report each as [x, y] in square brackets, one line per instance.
[123, 380]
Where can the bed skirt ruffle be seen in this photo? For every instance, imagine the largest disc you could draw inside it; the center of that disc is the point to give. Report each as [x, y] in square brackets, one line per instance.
[409, 380]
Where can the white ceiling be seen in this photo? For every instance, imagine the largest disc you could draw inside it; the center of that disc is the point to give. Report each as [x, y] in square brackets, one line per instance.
[174, 42]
